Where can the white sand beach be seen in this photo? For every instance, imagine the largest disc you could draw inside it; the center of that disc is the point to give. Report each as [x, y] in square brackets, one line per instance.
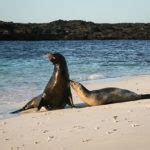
[120, 126]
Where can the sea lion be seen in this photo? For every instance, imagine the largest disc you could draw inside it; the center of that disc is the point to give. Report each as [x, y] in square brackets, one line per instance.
[57, 92]
[105, 95]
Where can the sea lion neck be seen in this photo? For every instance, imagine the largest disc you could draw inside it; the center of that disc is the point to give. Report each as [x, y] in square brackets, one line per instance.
[60, 67]
[85, 91]
[57, 66]
[61, 70]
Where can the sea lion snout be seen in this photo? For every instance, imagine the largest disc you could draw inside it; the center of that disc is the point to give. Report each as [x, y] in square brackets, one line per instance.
[75, 85]
[51, 56]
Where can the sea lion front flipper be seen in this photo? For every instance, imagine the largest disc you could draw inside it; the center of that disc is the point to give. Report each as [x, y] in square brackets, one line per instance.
[17, 111]
[41, 103]
[69, 100]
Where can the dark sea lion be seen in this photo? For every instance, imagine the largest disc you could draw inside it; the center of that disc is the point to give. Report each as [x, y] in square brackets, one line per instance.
[106, 95]
[57, 93]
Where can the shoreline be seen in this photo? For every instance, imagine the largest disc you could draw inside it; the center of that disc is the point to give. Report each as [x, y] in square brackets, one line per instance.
[114, 79]
[114, 126]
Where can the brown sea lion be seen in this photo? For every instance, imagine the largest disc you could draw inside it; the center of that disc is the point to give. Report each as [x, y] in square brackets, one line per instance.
[57, 93]
[106, 95]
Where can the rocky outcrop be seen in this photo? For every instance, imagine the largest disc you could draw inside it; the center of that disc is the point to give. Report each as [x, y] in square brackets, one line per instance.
[73, 30]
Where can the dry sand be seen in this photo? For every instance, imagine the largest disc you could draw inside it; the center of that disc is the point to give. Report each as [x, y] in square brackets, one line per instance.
[121, 126]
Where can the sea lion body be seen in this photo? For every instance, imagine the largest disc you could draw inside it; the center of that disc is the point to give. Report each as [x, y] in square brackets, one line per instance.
[105, 95]
[57, 93]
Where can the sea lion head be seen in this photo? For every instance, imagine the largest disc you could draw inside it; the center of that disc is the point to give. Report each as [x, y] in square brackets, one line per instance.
[76, 86]
[81, 91]
[56, 58]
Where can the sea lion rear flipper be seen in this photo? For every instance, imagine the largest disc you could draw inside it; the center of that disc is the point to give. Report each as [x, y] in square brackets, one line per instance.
[17, 111]
[145, 96]
[33, 103]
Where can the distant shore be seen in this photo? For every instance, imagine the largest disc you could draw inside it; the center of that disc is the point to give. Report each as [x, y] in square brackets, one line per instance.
[109, 127]
[73, 30]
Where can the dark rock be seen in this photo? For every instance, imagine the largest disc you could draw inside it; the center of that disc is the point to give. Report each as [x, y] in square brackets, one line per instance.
[73, 30]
